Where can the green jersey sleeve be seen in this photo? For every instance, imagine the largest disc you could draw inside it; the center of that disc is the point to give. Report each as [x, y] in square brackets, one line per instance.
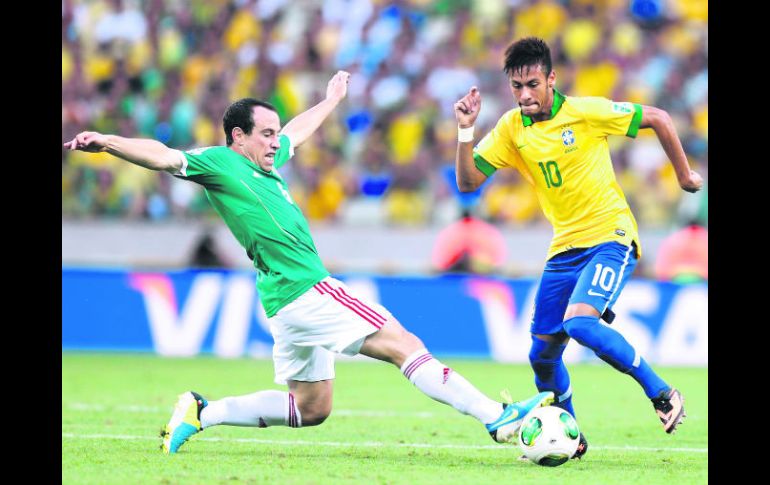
[610, 117]
[284, 153]
[202, 164]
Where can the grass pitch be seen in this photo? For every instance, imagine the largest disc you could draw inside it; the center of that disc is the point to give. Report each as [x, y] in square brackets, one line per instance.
[382, 429]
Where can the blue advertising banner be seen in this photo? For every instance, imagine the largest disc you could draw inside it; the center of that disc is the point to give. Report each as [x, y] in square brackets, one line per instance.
[184, 313]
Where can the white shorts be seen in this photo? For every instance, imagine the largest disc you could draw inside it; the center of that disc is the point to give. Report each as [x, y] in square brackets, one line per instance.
[328, 318]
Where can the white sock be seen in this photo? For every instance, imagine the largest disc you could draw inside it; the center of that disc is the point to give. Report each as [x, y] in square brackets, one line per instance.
[447, 386]
[262, 409]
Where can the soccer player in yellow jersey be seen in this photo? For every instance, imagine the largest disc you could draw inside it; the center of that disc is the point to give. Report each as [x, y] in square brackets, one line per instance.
[559, 144]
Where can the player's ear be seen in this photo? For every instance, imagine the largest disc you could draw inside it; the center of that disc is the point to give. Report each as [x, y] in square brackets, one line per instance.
[552, 79]
[238, 134]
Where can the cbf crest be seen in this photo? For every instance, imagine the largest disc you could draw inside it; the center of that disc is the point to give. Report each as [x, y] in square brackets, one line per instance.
[568, 137]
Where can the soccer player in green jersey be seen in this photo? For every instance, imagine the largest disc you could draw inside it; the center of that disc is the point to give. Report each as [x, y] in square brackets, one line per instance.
[312, 315]
[559, 144]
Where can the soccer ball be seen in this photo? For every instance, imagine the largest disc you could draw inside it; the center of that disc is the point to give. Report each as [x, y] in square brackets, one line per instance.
[549, 436]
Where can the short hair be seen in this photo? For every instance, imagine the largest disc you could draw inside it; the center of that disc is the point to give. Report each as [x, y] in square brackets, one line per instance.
[239, 114]
[529, 51]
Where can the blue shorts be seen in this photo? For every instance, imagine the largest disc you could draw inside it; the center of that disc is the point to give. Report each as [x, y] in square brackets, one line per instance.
[594, 276]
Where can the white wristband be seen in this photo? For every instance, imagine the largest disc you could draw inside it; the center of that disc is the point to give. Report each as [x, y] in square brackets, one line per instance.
[464, 135]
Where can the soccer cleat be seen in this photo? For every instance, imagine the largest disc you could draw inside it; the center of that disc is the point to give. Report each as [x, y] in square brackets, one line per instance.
[185, 422]
[505, 428]
[670, 408]
[582, 448]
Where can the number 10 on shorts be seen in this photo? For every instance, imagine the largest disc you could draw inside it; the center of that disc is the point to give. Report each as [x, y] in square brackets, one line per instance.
[604, 276]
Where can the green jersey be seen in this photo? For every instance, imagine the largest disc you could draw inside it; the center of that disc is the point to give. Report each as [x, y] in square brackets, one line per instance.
[258, 209]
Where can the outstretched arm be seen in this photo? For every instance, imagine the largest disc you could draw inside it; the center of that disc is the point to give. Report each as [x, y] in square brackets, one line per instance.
[150, 154]
[660, 121]
[469, 178]
[305, 124]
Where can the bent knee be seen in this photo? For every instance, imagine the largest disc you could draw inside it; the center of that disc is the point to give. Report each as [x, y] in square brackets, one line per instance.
[580, 310]
[411, 342]
[315, 414]
[392, 343]
[581, 328]
[547, 348]
[407, 344]
[314, 418]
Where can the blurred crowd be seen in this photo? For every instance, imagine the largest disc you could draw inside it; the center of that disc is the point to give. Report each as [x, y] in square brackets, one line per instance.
[167, 69]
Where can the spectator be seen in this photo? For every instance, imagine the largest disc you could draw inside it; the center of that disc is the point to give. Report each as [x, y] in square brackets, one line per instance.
[205, 253]
[167, 70]
[683, 257]
[469, 245]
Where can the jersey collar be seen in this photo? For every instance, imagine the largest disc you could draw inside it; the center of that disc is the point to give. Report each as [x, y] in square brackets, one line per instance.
[558, 100]
[255, 166]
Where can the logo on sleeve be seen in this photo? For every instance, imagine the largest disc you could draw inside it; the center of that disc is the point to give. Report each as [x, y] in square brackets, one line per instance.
[197, 151]
[623, 108]
[620, 232]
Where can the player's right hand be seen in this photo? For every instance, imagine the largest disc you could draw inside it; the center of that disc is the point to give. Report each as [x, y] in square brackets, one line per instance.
[88, 141]
[468, 107]
[693, 183]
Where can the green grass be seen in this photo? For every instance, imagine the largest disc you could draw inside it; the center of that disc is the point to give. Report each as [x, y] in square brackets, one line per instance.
[113, 406]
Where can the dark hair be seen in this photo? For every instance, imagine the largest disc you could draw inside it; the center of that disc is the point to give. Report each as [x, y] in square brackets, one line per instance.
[238, 115]
[529, 51]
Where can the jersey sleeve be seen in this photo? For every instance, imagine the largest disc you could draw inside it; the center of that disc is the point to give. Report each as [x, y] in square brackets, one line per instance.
[285, 152]
[611, 117]
[200, 164]
[496, 149]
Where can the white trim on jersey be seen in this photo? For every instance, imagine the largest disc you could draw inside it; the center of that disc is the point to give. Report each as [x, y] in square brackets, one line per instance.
[183, 170]
[291, 144]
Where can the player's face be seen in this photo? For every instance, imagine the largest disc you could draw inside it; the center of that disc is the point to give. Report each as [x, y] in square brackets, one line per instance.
[260, 146]
[531, 89]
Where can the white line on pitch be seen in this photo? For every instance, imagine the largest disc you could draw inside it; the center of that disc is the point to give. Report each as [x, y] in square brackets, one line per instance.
[373, 444]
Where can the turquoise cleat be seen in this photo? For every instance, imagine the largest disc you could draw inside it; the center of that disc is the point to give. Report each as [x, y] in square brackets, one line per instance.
[505, 428]
[184, 423]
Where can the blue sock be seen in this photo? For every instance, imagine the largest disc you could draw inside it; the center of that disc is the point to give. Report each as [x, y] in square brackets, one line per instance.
[613, 348]
[550, 371]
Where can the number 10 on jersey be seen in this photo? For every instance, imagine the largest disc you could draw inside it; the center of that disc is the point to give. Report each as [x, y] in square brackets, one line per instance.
[551, 173]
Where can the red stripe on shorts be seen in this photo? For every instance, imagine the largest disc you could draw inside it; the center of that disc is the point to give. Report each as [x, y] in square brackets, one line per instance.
[415, 364]
[340, 289]
[352, 308]
[355, 302]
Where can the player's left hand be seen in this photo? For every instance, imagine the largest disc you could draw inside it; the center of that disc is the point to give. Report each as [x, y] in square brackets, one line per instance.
[338, 85]
[693, 183]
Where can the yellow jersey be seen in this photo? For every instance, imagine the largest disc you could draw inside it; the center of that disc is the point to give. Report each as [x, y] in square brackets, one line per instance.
[567, 159]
